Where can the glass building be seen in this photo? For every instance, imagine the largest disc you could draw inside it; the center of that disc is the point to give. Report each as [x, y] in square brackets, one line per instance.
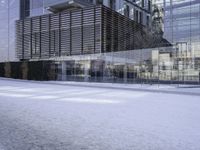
[138, 10]
[9, 13]
[12, 10]
[138, 40]
[179, 22]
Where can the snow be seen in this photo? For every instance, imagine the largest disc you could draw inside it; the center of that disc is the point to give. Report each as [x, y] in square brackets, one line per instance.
[97, 116]
[162, 88]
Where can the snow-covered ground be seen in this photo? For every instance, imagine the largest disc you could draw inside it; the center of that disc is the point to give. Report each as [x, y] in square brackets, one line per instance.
[84, 116]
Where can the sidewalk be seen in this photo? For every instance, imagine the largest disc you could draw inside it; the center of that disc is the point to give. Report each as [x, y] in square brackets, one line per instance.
[193, 90]
[161, 88]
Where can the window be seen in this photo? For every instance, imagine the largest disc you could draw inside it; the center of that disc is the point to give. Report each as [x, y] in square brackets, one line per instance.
[100, 2]
[126, 11]
[136, 15]
[149, 5]
[36, 4]
[147, 21]
[142, 3]
[132, 14]
[24, 8]
[141, 18]
[113, 4]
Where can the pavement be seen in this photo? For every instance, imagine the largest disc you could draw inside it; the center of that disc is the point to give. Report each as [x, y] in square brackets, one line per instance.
[90, 116]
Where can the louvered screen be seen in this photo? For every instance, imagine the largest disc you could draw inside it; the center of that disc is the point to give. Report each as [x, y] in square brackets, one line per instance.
[45, 36]
[88, 31]
[36, 43]
[27, 38]
[78, 32]
[76, 29]
[98, 21]
[65, 34]
[54, 35]
[19, 39]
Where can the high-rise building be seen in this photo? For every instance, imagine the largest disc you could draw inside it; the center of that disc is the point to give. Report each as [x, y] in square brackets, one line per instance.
[179, 22]
[180, 19]
[67, 28]
[107, 39]
[12, 10]
[9, 13]
[138, 10]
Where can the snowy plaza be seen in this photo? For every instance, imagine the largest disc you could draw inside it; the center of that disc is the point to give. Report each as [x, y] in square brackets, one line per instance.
[96, 116]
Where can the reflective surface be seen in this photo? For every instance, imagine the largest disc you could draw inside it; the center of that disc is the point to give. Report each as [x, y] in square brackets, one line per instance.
[9, 13]
[181, 20]
[178, 21]
[159, 65]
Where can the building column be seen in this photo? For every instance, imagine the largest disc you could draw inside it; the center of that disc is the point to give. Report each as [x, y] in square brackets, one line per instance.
[125, 73]
[105, 71]
[86, 71]
[64, 75]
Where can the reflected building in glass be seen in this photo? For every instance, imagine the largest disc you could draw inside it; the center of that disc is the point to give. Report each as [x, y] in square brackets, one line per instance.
[179, 23]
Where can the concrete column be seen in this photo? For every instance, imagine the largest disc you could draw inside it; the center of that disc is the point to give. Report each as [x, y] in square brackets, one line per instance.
[86, 72]
[125, 73]
[64, 67]
[105, 73]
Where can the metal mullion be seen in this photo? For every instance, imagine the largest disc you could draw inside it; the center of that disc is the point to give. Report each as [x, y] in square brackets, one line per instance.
[31, 28]
[82, 31]
[22, 39]
[59, 34]
[70, 33]
[49, 18]
[40, 39]
[94, 29]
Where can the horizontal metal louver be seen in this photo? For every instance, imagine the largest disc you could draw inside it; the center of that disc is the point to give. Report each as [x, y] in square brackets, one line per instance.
[78, 32]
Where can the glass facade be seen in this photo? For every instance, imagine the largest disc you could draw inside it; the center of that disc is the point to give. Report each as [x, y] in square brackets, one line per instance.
[178, 21]
[9, 13]
[175, 21]
[180, 25]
